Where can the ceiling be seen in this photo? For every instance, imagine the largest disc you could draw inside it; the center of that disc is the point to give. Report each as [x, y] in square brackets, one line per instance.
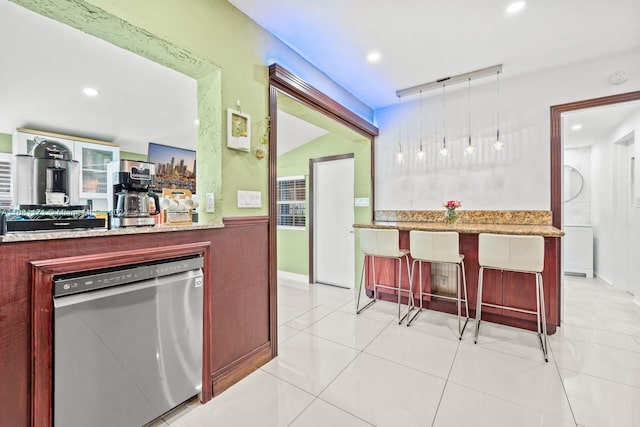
[299, 124]
[47, 64]
[595, 123]
[420, 41]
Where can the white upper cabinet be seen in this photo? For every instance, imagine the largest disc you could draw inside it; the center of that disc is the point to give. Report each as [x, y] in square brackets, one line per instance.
[93, 160]
[92, 155]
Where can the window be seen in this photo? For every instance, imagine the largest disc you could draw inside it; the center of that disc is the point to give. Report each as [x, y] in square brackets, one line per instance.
[291, 201]
[5, 181]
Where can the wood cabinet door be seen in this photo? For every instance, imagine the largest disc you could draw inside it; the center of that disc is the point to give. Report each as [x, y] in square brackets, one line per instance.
[519, 291]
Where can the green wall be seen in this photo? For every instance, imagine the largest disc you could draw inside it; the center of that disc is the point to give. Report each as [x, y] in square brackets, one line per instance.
[228, 54]
[133, 156]
[5, 143]
[293, 245]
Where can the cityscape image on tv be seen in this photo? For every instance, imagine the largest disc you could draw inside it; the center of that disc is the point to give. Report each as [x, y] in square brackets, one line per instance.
[175, 167]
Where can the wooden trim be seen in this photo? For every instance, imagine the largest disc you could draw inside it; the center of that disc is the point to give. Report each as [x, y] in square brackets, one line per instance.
[74, 138]
[312, 178]
[556, 160]
[42, 273]
[280, 79]
[240, 368]
[273, 220]
[294, 85]
[243, 221]
[556, 143]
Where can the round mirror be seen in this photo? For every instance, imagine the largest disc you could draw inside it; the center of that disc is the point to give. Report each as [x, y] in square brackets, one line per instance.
[573, 183]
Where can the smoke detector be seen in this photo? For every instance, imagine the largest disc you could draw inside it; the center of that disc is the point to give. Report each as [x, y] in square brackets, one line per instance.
[618, 77]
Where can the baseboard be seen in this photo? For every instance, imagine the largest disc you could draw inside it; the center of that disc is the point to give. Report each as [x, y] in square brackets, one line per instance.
[604, 279]
[293, 276]
[240, 368]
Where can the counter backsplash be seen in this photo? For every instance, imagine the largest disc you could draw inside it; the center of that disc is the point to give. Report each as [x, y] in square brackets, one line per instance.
[469, 216]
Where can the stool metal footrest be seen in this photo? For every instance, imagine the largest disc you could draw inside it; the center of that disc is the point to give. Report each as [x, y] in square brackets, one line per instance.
[398, 289]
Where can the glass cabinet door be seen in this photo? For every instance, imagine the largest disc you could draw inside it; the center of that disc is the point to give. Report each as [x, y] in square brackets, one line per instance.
[93, 160]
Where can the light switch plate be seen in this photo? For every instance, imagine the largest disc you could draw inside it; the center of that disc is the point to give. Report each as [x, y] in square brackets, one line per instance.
[362, 201]
[211, 206]
[249, 199]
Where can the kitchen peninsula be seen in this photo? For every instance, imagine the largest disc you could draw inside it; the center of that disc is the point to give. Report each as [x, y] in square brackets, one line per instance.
[235, 342]
[509, 288]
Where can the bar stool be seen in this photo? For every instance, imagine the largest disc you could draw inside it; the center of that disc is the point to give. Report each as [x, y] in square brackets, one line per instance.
[524, 254]
[383, 243]
[439, 247]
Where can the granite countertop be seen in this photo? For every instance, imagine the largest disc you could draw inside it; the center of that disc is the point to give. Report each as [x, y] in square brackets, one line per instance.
[460, 227]
[101, 232]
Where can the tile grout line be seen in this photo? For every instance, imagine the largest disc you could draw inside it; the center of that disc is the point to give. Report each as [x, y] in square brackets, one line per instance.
[446, 382]
[345, 368]
[317, 397]
[564, 389]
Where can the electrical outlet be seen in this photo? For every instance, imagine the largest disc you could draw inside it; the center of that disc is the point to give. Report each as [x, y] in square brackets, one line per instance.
[211, 204]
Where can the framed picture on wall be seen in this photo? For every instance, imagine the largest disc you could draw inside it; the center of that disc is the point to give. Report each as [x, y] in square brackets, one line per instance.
[238, 130]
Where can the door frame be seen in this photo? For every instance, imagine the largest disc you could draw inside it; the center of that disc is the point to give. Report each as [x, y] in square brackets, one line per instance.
[312, 178]
[556, 157]
[281, 79]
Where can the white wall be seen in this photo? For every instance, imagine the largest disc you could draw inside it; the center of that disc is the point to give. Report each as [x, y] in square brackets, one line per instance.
[578, 210]
[602, 208]
[617, 245]
[519, 177]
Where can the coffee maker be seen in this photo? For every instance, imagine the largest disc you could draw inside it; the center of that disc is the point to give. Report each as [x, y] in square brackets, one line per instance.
[131, 199]
[47, 176]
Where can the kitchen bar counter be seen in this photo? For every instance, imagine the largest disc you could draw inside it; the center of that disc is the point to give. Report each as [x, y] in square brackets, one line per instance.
[502, 288]
[99, 232]
[463, 228]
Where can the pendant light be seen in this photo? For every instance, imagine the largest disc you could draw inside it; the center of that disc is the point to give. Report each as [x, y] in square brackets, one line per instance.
[470, 149]
[444, 152]
[399, 154]
[498, 145]
[421, 154]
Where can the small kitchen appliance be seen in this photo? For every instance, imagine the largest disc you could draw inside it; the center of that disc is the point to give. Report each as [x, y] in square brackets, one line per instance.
[47, 176]
[131, 199]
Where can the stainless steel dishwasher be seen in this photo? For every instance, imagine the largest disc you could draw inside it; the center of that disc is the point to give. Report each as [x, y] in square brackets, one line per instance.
[127, 343]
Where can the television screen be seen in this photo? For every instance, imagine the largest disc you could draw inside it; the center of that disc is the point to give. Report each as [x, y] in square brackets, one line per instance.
[175, 167]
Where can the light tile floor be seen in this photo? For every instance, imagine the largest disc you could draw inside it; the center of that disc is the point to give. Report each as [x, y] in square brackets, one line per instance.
[340, 370]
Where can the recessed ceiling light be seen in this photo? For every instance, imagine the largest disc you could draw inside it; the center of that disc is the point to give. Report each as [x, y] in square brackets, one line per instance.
[90, 91]
[576, 127]
[196, 122]
[516, 6]
[373, 56]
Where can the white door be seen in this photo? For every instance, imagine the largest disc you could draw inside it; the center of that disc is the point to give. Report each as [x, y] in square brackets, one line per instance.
[622, 216]
[333, 222]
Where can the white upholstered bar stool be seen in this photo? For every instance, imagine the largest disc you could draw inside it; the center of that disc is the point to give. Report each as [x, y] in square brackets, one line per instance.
[383, 243]
[439, 247]
[523, 254]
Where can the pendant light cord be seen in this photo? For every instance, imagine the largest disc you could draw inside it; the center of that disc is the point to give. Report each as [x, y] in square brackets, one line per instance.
[444, 119]
[421, 119]
[399, 129]
[469, 108]
[498, 106]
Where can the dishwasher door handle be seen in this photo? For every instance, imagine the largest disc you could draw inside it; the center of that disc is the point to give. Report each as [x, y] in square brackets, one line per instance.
[79, 298]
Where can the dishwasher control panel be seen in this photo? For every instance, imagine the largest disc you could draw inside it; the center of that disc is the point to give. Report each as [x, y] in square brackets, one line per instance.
[98, 279]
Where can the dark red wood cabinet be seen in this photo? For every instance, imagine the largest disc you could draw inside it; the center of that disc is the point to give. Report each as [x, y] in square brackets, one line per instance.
[500, 288]
[236, 271]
